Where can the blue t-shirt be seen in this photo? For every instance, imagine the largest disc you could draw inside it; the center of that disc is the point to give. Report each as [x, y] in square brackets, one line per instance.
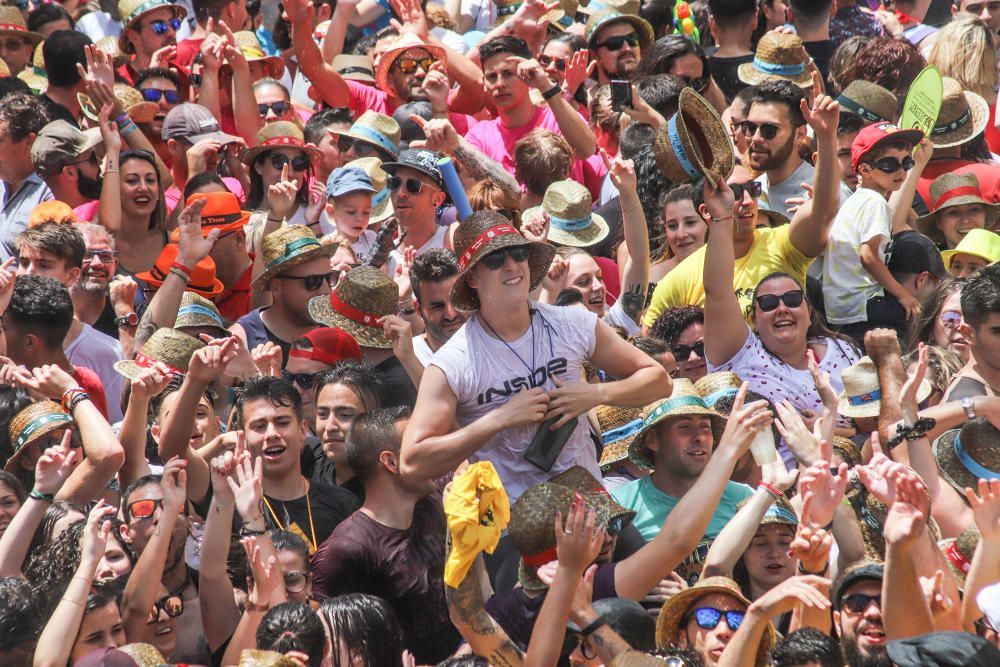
[652, 505]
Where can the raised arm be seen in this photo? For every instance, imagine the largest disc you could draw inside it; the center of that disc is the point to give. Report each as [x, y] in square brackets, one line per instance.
[328, 83]
[268, 591]
[248, 121]
[333, 41]
[467, 610]
[810, 226]
[148, 384]
[985, 568]
[635, 274]
[572, 126]
[219, 613]
[110, 211]
[901, 201]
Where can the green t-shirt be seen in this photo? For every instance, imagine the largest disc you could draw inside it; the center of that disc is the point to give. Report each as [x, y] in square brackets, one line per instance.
[652, 505]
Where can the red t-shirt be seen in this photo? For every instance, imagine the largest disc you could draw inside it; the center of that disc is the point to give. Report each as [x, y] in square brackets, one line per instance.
[987, 174]
[236, 303]
[92, 384]
[187, 50]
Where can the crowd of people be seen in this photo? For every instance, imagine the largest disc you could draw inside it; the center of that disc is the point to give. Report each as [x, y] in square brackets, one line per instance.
[385, 333]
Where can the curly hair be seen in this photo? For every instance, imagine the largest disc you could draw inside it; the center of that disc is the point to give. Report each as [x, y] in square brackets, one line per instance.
[23, 115]
[672, 322]
[541, 158]
[842, 62]
[41, 306]
[434, 265]
[276, 390]
[20, 617]
[891, 63]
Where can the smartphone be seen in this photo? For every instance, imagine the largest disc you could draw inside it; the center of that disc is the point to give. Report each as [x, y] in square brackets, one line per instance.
[621, 95]
[547, 444]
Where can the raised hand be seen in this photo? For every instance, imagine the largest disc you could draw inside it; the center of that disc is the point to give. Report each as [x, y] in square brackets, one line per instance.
[908, 395]
[100, 67]
[938, 602]
[267, 358]
[719, 199]
[823, 117]
[822, 490]
[281, 197]
[579, 68]
[174, 485]
[7, 277]
[908, 512]
[402, 277]
[923, 152]
[192, 246]
[198, 155]
[777, 475]
[808, 590]
[823, 428]
[579, 543]
[555, 279]
[268, 581]
[109, 130]
[161, 57]
[299, 11]
[317, 202]
[400, 333]
[882, 345]
[122, 291]
[248, 486]
[55, 465]
[209, 363]
[439, 133]
[536, 228]
[221, 468]
[150, 382]
[531, 72]
[437, 86]
[986, 508]
[622, 172]
[411, 18]
[95, 535]
[745, 421]
[50, 381]
[812, 547]
[879, 474]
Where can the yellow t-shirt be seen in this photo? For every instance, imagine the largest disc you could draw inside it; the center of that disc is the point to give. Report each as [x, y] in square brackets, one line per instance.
[772, 251]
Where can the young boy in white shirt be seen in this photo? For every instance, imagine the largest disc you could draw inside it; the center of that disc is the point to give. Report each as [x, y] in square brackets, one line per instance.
[349, 193]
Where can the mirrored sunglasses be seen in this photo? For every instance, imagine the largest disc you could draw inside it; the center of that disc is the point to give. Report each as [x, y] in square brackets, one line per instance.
[708, 618]
[160, 27]
[154, 95]
[409, 65]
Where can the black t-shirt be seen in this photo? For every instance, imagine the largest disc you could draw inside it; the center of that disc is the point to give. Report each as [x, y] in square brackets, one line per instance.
[329, 506]
[821, 52]
[57, 111]
[399, 389]
[317, 467]
[725, 73]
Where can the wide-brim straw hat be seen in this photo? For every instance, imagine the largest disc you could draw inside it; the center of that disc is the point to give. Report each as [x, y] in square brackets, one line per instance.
[354, 68]
[981, 243]
[951, 189]
[169, 347]
[406, 42]
[253, 52]
[870, 101]
[631, 658]
[132, 102]
[31, 423]
[109, 46]
[4, 69]
[382, 197]
[848, 450]
[12, 25]
[618, 429]
[376, 129]
[580, 479]
[286, 247]
[281, 134]
[253, 657]
[862, 394]
[776, 218]
[683, 402]
[35, 76]
[780, 513]
[363, 296]
[778, 56]
[572, 221]
[197, 312]
[694, 142]
[963, 116]
[604, 17]
[969, 454]
[958, 551]
[145, 655]
[669, 620]
[480, 234]
[130, 11]
[716, 385]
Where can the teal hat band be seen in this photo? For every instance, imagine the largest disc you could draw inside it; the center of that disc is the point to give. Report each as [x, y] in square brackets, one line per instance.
[291, 248]
[36, 424]
[671, 404]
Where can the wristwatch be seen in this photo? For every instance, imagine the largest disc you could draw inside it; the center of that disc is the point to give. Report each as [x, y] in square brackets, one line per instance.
[969, 407]
[129, 320]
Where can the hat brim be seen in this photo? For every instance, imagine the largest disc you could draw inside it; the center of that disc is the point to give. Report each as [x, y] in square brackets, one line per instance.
[750, 75]
[616, 452]
[260, 282]
[927, 224]
[32, 37]
[124, 45]
[236, 225]
[640, 455]
[391, 167]
[641, 25]
[383, 151]
[217, 286]
[34, 80]
[221, 137]
[367, 336]
[143, 112]
[389, 57]
[669, 618]
[595, 232]
[954, 472]
[946, 256]
[539, 259]
[251, 154]
[698, 129]
[872, 409]
[976, 125]
[13, 462]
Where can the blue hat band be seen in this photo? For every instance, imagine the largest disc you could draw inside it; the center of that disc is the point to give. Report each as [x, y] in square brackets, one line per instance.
[379, 197]
[671, 404]
[198, 309]
[969, 463]
[714, 397]
[675, 142]
[778, 69]
[568, 225]
[622, 432]
[376, 138]
[779, 512]
[145, 7]
[290, 248]
[865, 399]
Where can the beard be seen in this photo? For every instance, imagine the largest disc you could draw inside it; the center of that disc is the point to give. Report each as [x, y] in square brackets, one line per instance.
[89, 187]
[92, 284]
[774, 158]
[625, 65]
[854, 657]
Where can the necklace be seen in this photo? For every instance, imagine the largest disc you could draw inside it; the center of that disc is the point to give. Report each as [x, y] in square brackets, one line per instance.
[312, 529]
[531, 326]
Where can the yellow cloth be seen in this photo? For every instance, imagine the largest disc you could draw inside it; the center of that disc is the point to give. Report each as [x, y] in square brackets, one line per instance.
[772, 250]
[477, 509]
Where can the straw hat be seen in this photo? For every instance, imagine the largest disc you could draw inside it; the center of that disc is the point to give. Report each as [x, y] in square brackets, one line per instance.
[354, 68]
[869, 100]
[694, 141]
[849, 452]
[130, 11]
[376, 129]
[166, 346]
[981, 243]
[197, 312]
[252, 657]
[958, 551]
[31, 423]
[862, 394]
[963, 115]
[12, 25]
[145, 655]
[131, 99]
[951, 189]
[35, 76]
[406, 42]
[778, 56]
[252, 51]
[676, 608]
[572, 221]
[715, 385]
[203, 280]
[382, 199]
[288, 246]
[620, 6]
[969, 454]
[780, 513]
[4, 69]
[280, 134]
[774, 218]
[109, 46]
[632, 658]
[580, 479]
[363, 295]
[604, 17]
[618, 428]
[480, 234]
[684, 401]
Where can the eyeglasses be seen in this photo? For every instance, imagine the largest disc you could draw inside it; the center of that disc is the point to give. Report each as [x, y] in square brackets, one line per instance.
[859, 602]
[769, 302]
[767, 130]
[618, 41]
[295, 582]
[753, 188]
[615, 526]
[699, 85]
[297, 163]
[160, 27]
[154, 95]
[304, 380]
[13, 44]
[560, 63]
[575, 638]
[683, 352]
[143, 509]
[313, 282]
[496, 259]
[106, 256]
[172, 604]
[950, 319]
[708, 618]
[891, 165]
[280, 108]
[409, 65]
[413, 185]
[361, 148]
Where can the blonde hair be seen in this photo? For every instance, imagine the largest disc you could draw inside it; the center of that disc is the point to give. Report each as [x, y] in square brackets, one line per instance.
[965, 50]
[487, 195]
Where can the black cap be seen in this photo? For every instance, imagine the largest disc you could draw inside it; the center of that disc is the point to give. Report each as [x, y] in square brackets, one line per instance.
[944, 649]
[408, 129]
[866, 571]
[630, 620]
[423, 160]
[912, 252]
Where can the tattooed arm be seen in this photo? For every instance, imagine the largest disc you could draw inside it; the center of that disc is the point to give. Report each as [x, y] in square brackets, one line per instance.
[635, 276]
[467, 608]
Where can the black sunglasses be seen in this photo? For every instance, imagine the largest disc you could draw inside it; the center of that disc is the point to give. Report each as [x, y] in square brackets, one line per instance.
[753, 188]
[496, 259]
[767, 130]
[279, 108]
[574, 638]
[304, 380]
[154, 95]
[298, 163]
[618, 41]
[361, 148]
[313, 282]
[699, 84]
[545, 61]
[769, 302]
[409, 65]
[891, 165]
[683, 352]
[413, 185]
[858, 602]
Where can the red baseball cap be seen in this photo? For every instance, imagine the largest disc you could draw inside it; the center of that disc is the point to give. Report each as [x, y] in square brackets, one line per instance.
[869, 138]
[329, 345]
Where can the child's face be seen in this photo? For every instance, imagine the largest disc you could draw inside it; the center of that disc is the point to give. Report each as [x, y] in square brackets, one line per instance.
[875, 178]
[351, 212]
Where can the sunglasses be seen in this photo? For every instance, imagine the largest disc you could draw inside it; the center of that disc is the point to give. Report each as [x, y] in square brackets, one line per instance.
[753, 188]
[409, 65]
[154, 95]
[413, 185]
[13, 44]
[160, 27]
[699, 85]
[615, 526]
[314, 282]
[361, 148]
[295, 582]
[280, 108]
[172, 604]
[560, 63]
[950, 319]
[769, 302]
[708, 618]
[891, 165]
[304, 380]
[143, 509]
[574, 639]
[617, 42]
[683, 352]
[497, 258]
[858, 602]
[767, 130]
[298, 163]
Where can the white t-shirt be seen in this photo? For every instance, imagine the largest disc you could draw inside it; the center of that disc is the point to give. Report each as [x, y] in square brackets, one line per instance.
[99, 352]
[847, 286]
[422, 350]
[98, 25]
[435, 241]
[484, 373]
[616, 315]
[364, 243]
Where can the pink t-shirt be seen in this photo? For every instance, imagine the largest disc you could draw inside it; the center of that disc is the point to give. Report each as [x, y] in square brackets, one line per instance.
[87, 211]
[172, 195]
[369, 98]
[497, 141]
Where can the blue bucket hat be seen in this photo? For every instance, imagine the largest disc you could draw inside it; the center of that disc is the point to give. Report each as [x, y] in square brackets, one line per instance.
[344, 180]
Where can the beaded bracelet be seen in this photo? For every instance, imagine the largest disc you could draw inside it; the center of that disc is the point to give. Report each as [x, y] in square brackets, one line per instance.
[77, 400]
[38, 495]
[770, 488]
[121, 119]
[67, 396]
[920, 429]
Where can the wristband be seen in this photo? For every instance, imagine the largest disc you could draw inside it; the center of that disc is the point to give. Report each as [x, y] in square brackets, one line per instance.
[551, 92]
[77, 400]
[250, 606]
[802, 570]
[728, 217]
[772, 489]
[186, 277]
[121, 119]
[128, 129]
[67, 397]
[178, 265]
[45, 497]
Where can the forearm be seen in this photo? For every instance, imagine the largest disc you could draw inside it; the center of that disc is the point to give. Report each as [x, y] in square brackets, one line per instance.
[177, 426]
[110, 208]
[985, 570]
[141, 589]
[245, 636]
[901, 201]
[167, 299]
[735, 536]
[638, 390]
[414, 369]
[219, 612]
[482, 167]
[467, 610]
[333, 42]
[208, 95]
[56, 641]
[331, 86]
[636, 277]
[103, 456]
[133, 440]
[905, 611]
[810, 235]
[431, 457]
[573, 128]
[847, 534]
[248, 121]
[16, 539]
[874, 265]
[551, 622]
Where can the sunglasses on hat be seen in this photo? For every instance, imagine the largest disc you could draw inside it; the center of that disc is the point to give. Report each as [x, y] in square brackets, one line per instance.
[297, 163]
[618, 41]
[160, 27]
[154, 95]
[413, 185]
[767, 130]
[891, 165]
[708, 618]
[753, 188]
[769, 302]
[496, 259]
[279, 108]
[409, 65]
